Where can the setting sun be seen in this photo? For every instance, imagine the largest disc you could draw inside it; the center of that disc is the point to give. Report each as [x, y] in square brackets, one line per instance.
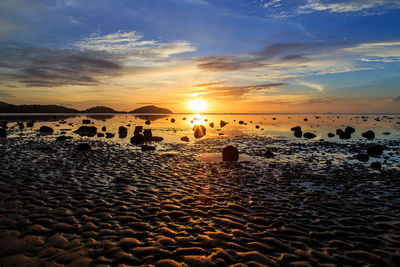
[197, 105]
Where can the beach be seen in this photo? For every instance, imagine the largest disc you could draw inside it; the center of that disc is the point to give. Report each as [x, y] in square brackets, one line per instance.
[303, 203]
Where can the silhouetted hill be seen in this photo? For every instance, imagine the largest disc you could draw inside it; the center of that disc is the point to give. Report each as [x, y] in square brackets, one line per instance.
[151, 109]
[35, 109]
[99, 109]
[4, 104]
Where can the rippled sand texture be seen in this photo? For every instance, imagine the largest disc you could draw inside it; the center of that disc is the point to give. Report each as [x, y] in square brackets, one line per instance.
[117, 205]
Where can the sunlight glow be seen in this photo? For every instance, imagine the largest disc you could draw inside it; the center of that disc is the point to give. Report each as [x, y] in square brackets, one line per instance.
[197, 105]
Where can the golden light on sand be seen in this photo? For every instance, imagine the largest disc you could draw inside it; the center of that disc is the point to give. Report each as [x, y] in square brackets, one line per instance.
[197, 105]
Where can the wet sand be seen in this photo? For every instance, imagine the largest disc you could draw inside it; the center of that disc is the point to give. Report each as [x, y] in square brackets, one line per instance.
[313, 204]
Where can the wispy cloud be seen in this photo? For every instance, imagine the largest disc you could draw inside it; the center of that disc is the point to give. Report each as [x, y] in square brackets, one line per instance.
[320, 88]
[378, 52]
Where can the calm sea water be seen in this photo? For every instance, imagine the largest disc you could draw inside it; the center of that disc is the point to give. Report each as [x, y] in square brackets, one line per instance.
[275, 126]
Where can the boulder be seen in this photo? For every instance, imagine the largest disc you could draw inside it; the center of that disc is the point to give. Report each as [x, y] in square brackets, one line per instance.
[241, 122]
[84, 147]
[185, 139]
[309, 135]
[86, 121]
[172, 120]
[3, 133]
[296, 129]
[199, 131]
[104, 128]
[375, 151]
[138, 139]
[375, 165]
[122, 132]
[349, 130]
[46, 130]
[386, 133]
[138, 130]
[211, 124]
[222, 123]
[298, 134]
[330, 135]
[147, 122]
[100, 135]
[370, 135]
[148, 148]
[147, 134]
[269, 154]
[30, 124]
[230, 153]
[257, 127]
[89, 131]
[110, 135]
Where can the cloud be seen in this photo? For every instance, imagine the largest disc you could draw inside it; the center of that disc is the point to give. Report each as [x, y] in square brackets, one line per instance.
[396, 99]
[132, 45]
[208, 84]
[318, 87]
[41, 67]
[379, 52]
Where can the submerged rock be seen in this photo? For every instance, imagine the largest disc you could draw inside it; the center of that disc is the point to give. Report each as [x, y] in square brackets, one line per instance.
[199, 131]
[138, 139]
[370, 135]
[104, 128]
[309, 135]
[46, 130]
[84, 147]
[230, 153]
[89, 131]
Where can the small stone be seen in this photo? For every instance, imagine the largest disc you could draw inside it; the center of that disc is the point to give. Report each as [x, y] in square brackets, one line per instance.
[30, 124]
[375, 165]
[370, 135]
[147, 122]
[241, 122]
[46, 130]
[185, 139]
[172, 120]
[84, 147]
[104, 128]
[309, 135]
[269, 154]
[230, 153]
[89, 131]
[85, 121]
[330, 135]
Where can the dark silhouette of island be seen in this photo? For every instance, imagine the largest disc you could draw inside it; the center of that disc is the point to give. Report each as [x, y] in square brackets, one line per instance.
[152, 109]
[10, 108]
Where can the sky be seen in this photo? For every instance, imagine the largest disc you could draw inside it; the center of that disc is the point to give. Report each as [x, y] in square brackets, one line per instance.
[240, 56]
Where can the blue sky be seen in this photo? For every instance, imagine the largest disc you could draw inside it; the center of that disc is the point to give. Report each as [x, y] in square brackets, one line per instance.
[239, 56]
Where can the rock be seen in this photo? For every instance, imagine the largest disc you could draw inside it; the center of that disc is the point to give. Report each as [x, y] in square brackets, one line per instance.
[184, 118]
[185, 139]
[349, 130]
[339, 131]
[147, 122]
[330, 135]
[30, 124]
[375, 165]
[274, 119]
[85, 121]
[222, 123]
[84, 147]
[230, 153]
[156, 139]
[298, 134]
[199, 131]
[100, 135]
[138, 139]
[46, 130]
[343, 134]
[241, 122]
[89, 131]
[110, 135]
[148, 148]
[172, 120]
[375, 150]
[104, 128]
[257, 127]
[269, 154]
[122, 132]
[296, 129]
[362, 157]
[309, 135]
[3, 133]
[211, 124]
[305, 119]
[370, 135]
[21, 125]
[138, 130]
[386, 133]
[63, 138]
[147, 134]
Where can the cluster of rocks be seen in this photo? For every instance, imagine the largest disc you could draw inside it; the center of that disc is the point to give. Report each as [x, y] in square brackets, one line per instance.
[298, 133]
[141, 136]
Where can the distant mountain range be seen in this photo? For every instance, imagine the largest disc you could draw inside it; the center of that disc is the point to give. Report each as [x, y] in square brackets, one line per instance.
[10, 108]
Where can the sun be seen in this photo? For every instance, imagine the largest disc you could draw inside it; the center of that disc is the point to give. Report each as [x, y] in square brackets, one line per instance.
[197, 105]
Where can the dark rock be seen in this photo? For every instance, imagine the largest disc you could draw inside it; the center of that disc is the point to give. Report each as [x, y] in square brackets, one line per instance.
[298, 134]
[222, 123]
[138, 130]
[349, 130]
[100, 135]
[220, 133]
[269, 154]
[375, 165]
[199, 131]
[257, 127]
[386, 133]
[296, 129]
[185, 139]
[230, 153]
[3, 133]
[21, 125]
[309, 135]
[122, 132]
[375, 150]
[362, 157]
[104, 128]
[305, 119]
[30, 124]
[63, 138]
[343, 134]
[156, 139]
[85, 121]
[46, 130]
[89, 131]
[211, 124]
[138, 139]
[63, 132]
[339, 131]
[110, 135]
[148, 148]
[330, 135]
[370, 135]
[147, 122]
[205, 120]
[172, 120]
[241, 122]
[274, 119]
[84, 147]
[147, 134]
[184, 118]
